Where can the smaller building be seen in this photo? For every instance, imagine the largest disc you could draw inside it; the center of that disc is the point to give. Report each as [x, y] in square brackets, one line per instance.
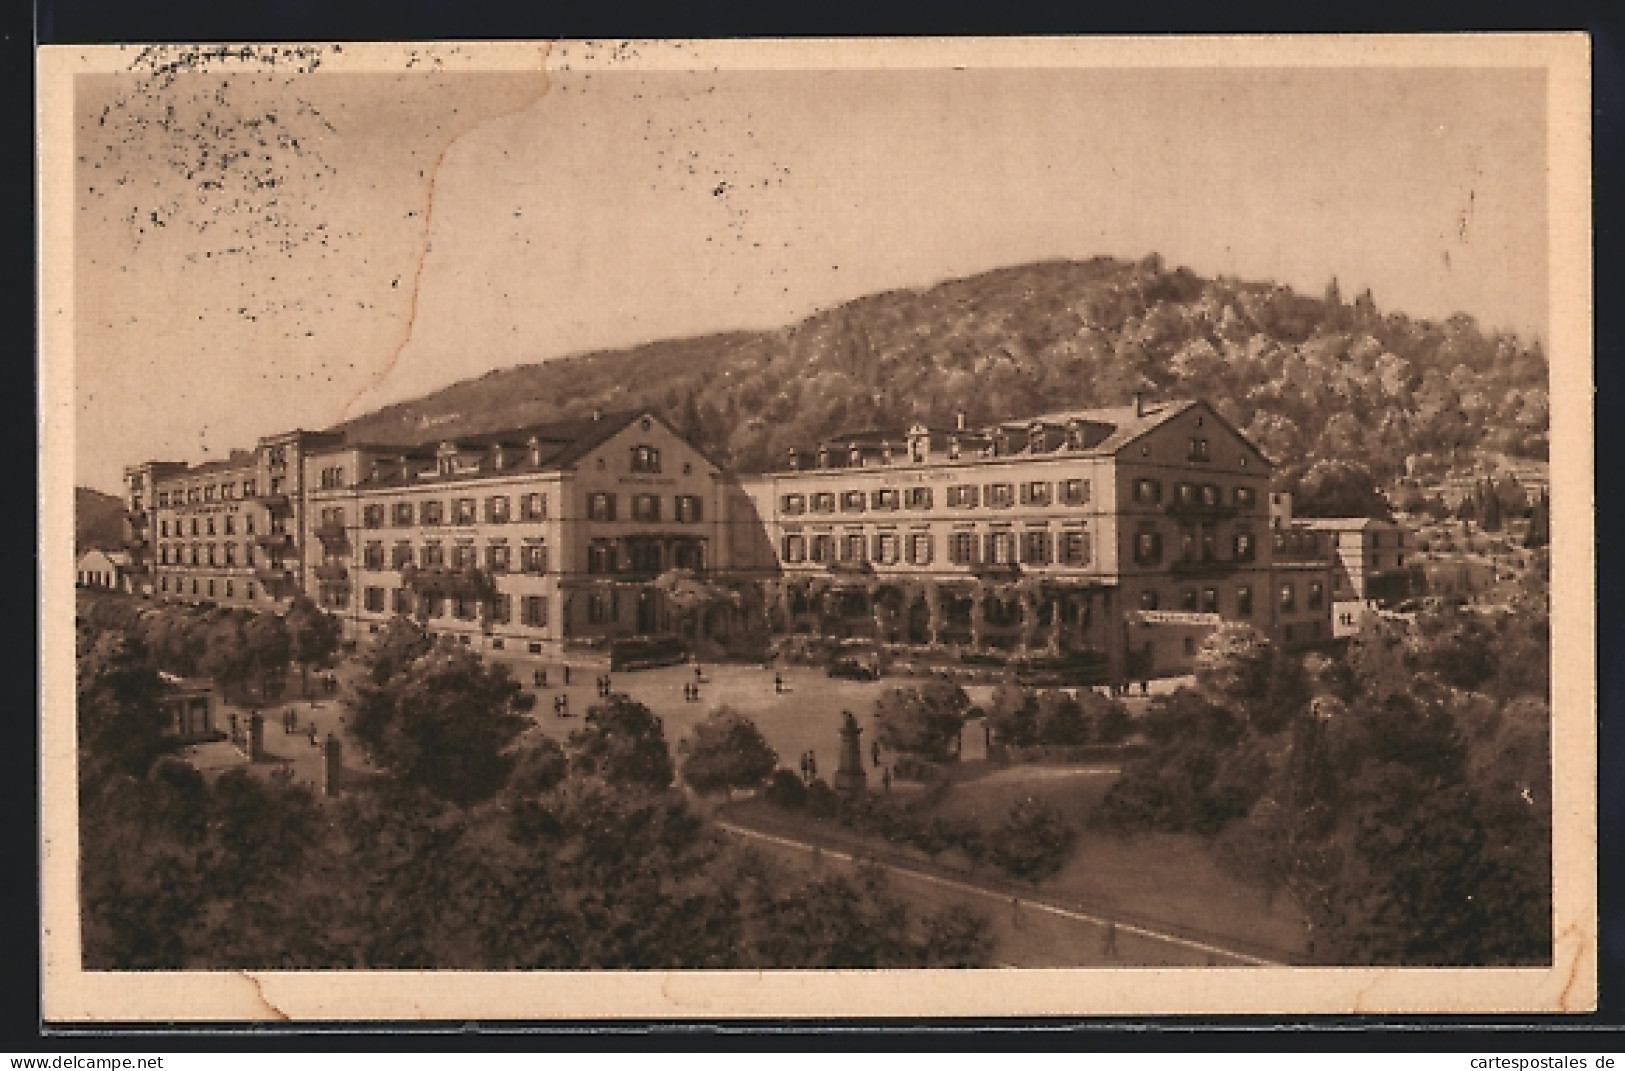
[105, 569]
[189, 704]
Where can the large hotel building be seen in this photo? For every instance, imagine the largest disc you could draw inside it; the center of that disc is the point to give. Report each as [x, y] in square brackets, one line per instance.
[1107, 540]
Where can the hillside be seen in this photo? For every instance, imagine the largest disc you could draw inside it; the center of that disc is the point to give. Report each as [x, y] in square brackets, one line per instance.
[1306, 377]
[98, 521]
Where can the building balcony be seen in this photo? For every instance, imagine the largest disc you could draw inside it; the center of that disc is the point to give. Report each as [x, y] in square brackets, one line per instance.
[276, 503]
[331, 534]
[1196, 567]
[274, 541]
[996, 571]
[863, 568]
[1201, 511]
[332, 572]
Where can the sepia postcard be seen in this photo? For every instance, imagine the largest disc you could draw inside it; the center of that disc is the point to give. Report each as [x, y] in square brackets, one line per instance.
[717, 530]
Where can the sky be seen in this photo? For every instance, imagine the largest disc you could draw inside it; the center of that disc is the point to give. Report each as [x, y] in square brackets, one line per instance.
[254, 253]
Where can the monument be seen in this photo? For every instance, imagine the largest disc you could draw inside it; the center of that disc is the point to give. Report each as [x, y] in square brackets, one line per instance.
[849, 775]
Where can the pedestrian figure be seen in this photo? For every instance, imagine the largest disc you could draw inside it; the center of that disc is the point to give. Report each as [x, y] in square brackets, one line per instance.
[699, 675]
[778, 684]
[1108, 944]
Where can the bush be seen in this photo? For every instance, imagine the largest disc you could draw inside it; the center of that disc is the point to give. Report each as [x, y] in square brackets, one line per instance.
[1033, 841]
[786, 790]
[822, 801]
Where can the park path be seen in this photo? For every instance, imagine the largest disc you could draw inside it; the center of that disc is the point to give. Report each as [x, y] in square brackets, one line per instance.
[1079, 938]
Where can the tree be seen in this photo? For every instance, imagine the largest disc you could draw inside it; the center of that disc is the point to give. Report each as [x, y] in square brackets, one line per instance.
[923, 721]
[119, 720]
[623, 743]
[1238, 668]
[313, 636]
[1339, 488]
[1540, 523]
[727, 751]
[402, 642]
[226, 655]
[444, 722]
[1033, 840]
[266, 640]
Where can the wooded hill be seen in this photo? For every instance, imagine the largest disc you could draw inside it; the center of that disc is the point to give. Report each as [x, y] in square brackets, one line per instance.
[1306, 377]
[98, 521]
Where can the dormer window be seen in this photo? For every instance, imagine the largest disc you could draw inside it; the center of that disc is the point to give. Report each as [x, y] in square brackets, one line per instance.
[535, 447]
[645, 458]
[854, 455]
[1035, 438]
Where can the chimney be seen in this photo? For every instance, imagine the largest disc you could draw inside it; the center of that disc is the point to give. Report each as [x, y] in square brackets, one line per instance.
[795, 458]
[959, 420]
[598, 414]
[1139, 404]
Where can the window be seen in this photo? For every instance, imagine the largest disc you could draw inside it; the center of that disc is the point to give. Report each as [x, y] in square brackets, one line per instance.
[1001, 495]
[1210, 600]
[1199, 451]
[250, 488]
[1148, 600]
[533, 611]
[1035, 493]
[852, 501]
[823, 548]
[963, 494]
[921, 548]
[1187, 600]
[1074, 548]
[1147, 548]
[434, 605]
[1246, 498]
[163, 528]
[163, 498]
[1317, 595]
[1289, 598]
[230, 524]
[1243, 547]
[163, 583]
[793, 504]
[208, 496]
[432, 512]
[1189, 645]
[601, 506]
[211, 587]
[794, 549]
[332, 518]
[1244, 601]
[1035, 547]
[645, 459]
[962, 548]
[1210, 495]
[498, 557]
[854, 548]
[823, 502]
[434, 555]
[533, 507]
[501, 609]
[1185, 493]
[917, 498]
[231, 554]
[195, 527]
[1209, 540]
[1187, 545]
[372, 516]
[401, 601]
[601, 556]
[887, 498]
[1075, 492]
[209, 551]
[690, 509]
[533, 558]
[463, 556]
[1148, 492]
[248, 523]
[463, 607]
[1001, 548]
[400, 555]
[373, 600]
[888, 548]
[463, 511]
[645, 507]
[600, 608]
